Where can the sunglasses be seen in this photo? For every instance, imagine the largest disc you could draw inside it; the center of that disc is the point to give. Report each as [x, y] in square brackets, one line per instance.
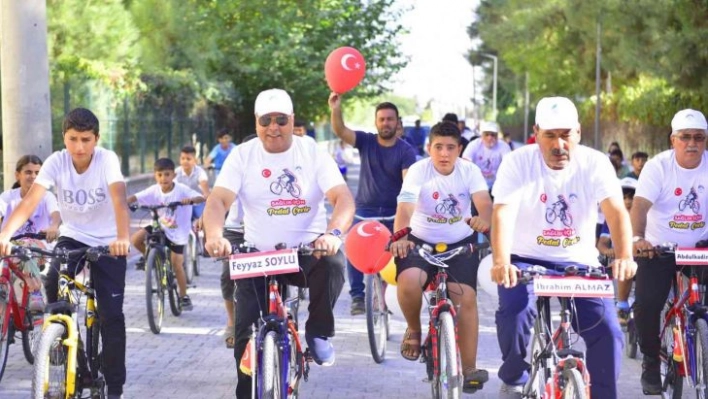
[686, 138]
[491, 134]
[266, 120]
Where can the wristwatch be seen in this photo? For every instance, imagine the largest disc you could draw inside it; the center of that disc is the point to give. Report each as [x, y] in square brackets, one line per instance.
[637, 239]
[335, 232]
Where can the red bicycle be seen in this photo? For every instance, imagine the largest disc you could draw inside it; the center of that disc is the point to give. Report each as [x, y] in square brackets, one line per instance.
[15, 314]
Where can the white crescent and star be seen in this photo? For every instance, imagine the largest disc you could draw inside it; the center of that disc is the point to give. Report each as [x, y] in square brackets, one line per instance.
[345, 58]
[361, 232]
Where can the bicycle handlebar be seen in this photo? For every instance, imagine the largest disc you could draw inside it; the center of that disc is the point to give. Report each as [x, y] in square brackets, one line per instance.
[526, 276]
[34, 236]
[61, 254]
[174, 204]
[302, 249]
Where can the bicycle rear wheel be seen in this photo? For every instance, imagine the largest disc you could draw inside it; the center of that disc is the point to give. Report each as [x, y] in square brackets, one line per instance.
[631, 340]
[173, 291]
[701, 347]
[6, 327]
[447, 383]
[51, 364]
[671, 378]
[271, 367]
[154, 291]
[190, 254]
[376, 317]
[575, 387]
[31, 335]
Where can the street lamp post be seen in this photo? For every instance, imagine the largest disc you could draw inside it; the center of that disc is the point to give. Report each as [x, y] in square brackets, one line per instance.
[494, 85]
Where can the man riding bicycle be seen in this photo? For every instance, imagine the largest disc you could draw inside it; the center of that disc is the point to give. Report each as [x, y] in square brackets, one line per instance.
[521, 236]
[657, 218]
[443, 172]
[271, 219]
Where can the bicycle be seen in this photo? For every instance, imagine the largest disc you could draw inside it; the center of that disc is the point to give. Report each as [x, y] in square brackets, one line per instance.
[61, 349]
[448, 206]
[557, 369]
[284, 183]
[159, 274]
[439, 350]
[192, 253]
[377, 313]
[15, 314]
[556, 211]
[684, 335]
[691, 203]
[280, 362]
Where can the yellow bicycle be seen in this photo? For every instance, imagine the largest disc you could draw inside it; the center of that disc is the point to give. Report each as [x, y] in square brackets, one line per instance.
[65, 365]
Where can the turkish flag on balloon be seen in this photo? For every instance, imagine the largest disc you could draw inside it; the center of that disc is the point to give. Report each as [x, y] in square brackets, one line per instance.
[366, 246]
[344, 69]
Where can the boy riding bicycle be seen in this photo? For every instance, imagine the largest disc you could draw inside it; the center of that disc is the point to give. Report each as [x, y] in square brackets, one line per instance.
[176, 223]
[429, 183]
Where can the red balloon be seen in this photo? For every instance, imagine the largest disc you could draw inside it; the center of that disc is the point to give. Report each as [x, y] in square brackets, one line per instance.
[344, 69]
[366, 246]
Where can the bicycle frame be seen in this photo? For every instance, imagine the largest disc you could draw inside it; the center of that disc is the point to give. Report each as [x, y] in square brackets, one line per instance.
[17, 309]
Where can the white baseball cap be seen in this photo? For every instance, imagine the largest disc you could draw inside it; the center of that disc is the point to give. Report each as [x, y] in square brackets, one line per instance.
[273, 101]
[629, 182]
[486, 126]
[556, 113]
[688, 119]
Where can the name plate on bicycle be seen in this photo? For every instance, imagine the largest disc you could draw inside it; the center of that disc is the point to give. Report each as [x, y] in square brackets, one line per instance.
[691, 256]
[258, 264]
[573, 287]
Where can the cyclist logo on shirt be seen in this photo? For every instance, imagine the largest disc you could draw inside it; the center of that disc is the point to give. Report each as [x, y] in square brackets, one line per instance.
[446, 206]
[559, 210]
[168, 218]
[690, 202]
[27, 228]
[286, 182]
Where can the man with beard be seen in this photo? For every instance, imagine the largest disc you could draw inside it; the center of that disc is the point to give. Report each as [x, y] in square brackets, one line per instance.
[384, 162]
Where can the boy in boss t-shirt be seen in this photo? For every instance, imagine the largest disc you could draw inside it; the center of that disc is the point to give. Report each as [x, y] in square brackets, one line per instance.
[91, 195]
[175, 221]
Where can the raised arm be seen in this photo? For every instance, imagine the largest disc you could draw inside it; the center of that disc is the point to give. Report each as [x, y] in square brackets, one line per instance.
[337, 120]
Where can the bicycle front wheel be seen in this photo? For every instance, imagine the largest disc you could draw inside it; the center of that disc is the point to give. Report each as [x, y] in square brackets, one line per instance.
[376, 316]
[51, 364]
[671, 378]
[271, 367]
[575, 387]
[31, 334]
[701, 347]
[189, 253]
[5, 325]
[446, 383]
[173, 291]
[94, 351]
[154, 291]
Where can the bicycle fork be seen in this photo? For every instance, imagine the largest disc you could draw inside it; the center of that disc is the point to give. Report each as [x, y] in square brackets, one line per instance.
[72, 343]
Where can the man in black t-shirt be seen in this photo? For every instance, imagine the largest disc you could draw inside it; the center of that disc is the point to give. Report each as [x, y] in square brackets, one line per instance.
[384, 162]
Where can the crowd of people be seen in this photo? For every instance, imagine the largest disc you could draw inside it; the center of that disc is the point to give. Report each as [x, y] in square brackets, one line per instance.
[490, 188]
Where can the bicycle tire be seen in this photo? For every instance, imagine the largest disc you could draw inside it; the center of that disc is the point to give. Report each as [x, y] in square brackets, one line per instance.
[551, 215]
[376, 317]
[447, 383]
[536, 385]
[51, 364]
[271, 367]
[701, 347]
[631, 339]
[671, 379]
[173, 291]
[94, 350]
[682, 205]
[154, 291]
[296, 367]
[575, 387]
[31, 334]
[198, 251]
[6, 325]
[189, 253]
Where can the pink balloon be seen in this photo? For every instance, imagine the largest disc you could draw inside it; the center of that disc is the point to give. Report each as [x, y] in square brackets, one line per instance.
[344, 69]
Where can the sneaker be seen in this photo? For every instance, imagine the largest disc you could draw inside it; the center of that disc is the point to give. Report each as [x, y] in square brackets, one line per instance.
[623, 317]
[186, 303]
[140, 264]
[321, 349]
[475, 380]
[358, 306]
[510, 391]
[651, 376]
[36, 302]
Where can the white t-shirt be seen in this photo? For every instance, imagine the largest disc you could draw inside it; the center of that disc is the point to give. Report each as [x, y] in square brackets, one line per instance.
[282, 194]
[556, 209]
[488, 159]
[85, 203]
[676, 215]
[176, 223]
[442, 202]
[40, 220]
[192, 180]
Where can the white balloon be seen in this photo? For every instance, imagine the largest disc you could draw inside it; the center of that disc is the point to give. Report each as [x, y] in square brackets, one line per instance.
[484, 277]
[392, 301]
